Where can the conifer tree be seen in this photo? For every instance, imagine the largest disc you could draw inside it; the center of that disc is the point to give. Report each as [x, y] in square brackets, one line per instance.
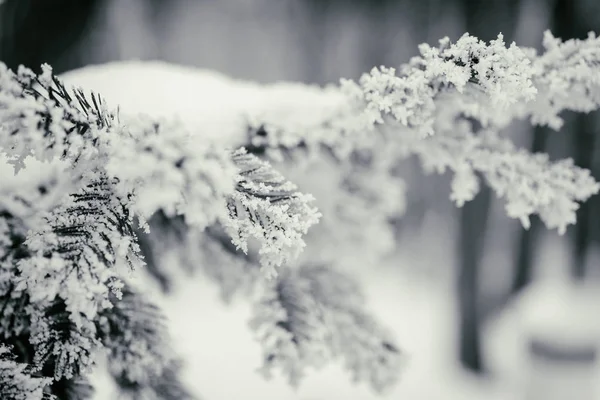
[110, 190]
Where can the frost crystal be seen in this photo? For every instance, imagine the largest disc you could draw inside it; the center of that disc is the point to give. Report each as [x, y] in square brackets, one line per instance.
[17, 381]
[74, 250]
[448, 107]
[568, 78]
[269, 209]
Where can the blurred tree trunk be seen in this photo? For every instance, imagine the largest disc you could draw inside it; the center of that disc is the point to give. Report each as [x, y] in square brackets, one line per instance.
[484, 19]
[585, 139]
[567, 23]
[528, 237]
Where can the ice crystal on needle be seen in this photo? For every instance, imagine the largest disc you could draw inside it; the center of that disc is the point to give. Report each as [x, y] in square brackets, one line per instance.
[269, 209]
[431, 106]
[16, 380]
[568, 77]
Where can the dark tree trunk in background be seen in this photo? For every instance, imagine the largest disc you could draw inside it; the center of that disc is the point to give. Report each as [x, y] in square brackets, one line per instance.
[527, 238]
[473, 221]
[484, 19]
[585, 139]
[567, 23]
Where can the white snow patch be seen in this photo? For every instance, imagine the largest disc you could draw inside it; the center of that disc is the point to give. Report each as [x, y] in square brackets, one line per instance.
[209, 103]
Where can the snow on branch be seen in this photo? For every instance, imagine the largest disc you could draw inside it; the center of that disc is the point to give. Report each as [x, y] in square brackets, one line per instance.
[163, 167]
[268, 208]
[40, 117]
[151, 165]
[313, 314]
[469, 67]
[17, 381]
[66, 348]
[80, 226]
[567, 75]
[135, 334]
[530, 183]
[430, 106]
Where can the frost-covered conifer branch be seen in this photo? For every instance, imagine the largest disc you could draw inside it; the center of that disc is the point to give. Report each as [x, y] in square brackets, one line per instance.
[61, 346]
[530, 183]
[193, 178]
[567, 76]
[135, 334]
[17, 381]
[164, 168]
[60, 274]
[269, 209]
[313, 314]
[71, 267]
[168, 385]
[418, 109]
[74, 250]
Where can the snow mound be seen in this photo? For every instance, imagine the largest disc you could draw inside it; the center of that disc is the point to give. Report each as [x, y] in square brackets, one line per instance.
[209, 102]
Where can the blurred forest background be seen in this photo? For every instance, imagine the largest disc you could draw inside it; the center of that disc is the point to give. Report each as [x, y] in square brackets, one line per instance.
[320, 41]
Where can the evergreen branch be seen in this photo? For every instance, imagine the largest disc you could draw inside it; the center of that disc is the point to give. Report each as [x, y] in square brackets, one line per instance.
[166, 386]
[490, 86]
[530, 183]
[568, 78]
[269, 209]
[78, 388]
[366, 348]
[38, 117]
[135, 333]
[481, 79]
[77, 247]
[142, 161]
[140, 357]
[68, 272]
[63, 348]
[313, 314]
[160, 166]
[17, 381]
